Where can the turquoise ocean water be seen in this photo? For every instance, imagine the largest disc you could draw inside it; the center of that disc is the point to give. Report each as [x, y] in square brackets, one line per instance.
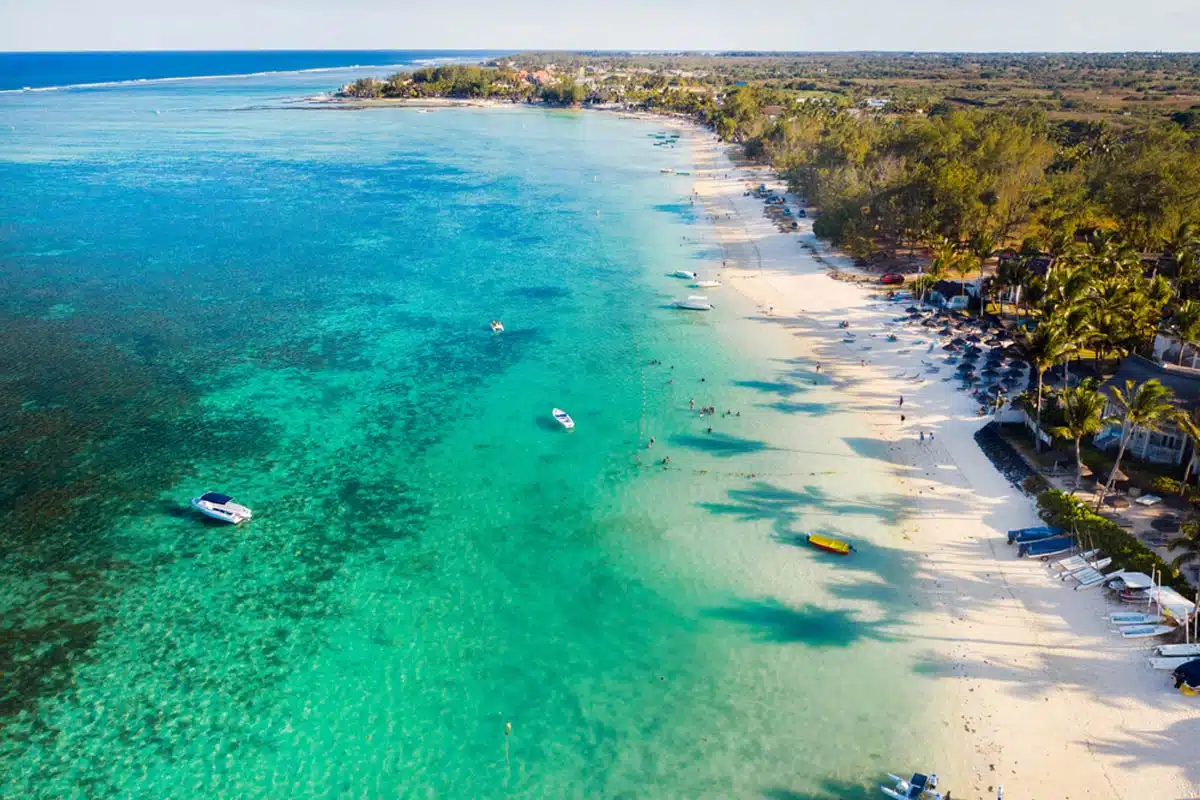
[211, 287]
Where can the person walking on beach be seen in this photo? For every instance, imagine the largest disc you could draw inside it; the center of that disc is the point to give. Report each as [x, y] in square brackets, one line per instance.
[818, 367]
[922, 437]
[901, 401]
[862, 362]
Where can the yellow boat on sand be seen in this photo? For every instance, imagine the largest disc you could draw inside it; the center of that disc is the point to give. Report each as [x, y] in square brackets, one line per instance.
[830, 544]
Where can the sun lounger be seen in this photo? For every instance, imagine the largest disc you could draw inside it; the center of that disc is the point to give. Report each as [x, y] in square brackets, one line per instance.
[1148, 500]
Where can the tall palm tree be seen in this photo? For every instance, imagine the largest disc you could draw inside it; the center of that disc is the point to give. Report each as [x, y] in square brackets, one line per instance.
[1044, 348]
[982, 247]
[1075, 324]
[1142, 405]
[1189, 543]
[1189, 425]
[945, 253]
[1083, 415]
[1185, 324]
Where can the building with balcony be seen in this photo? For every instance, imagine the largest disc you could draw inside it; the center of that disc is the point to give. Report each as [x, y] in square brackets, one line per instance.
[1166, 446]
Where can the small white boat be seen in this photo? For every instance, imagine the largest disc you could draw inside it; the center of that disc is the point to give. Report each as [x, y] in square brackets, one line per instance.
[1171, 662]
[683, 273]
[1189, 650]
[666, 170]
[695, 303]
[563, 418]
[1120, 618]
[707, 284]
[918, 786]
[222, 507]
[1145, 631]
[497, 326]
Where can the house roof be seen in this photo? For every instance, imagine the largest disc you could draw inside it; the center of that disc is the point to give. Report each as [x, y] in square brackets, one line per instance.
[1183, 381]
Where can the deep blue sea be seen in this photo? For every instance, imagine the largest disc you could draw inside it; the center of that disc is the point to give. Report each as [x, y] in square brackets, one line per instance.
[212, 285]
[60, 70]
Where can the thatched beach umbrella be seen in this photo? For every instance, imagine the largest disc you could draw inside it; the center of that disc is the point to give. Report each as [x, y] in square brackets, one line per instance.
[1117, 476]
[1116, 501]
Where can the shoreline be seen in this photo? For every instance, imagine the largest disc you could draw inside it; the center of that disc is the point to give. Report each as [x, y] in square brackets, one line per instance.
[1038, 696]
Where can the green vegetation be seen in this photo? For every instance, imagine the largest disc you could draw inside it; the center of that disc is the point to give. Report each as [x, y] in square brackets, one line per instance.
[1094, 531]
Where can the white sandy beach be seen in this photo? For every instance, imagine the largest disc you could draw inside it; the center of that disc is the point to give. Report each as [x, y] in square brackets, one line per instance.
[1039, 695]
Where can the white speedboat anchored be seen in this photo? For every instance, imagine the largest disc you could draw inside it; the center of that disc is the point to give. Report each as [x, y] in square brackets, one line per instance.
[497, 326]
[222, 507]
[683, 273]
[563, 418]
[918, 786]
[707, 284]
[695, 303]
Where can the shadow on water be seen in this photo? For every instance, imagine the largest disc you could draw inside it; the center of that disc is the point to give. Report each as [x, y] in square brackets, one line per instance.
[830, 789]
[802, 408]
[540, 292]
[811, 625]
[782, 388]
[764, 501]
[720, 445]
[548, 423]
[685, 211]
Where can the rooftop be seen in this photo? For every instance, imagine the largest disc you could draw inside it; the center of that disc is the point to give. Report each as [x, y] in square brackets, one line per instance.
[1183, 381]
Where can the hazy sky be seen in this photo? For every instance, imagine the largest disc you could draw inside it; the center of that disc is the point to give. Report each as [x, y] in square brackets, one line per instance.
[603, 24]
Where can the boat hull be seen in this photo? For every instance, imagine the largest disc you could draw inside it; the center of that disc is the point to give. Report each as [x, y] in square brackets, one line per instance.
[830, 545]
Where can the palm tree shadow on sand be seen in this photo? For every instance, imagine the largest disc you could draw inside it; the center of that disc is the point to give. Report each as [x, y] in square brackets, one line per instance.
[810, 625]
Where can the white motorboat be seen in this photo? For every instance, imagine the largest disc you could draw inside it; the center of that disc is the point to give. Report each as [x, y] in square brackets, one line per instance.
[497, 326]
[563, 418]
[707, 284]
[917, 787]
[1170, 662]
[1191, 650]
[222, 507]
[683, 273]
[695, 302]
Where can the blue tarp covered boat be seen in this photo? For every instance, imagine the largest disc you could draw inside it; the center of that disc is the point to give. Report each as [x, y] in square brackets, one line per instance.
[1033, 534]
[1046, 547]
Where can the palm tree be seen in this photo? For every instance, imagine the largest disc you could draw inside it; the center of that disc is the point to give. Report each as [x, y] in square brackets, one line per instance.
[1044, 348]
[1189, 425]
[1143, 405]
[1185, 324]
[1189, 543]
[1083, 415]
[1075, 324]
[982, 247]
[945, 253]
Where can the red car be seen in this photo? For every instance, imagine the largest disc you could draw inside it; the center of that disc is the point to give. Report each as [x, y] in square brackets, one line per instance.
[892, 279]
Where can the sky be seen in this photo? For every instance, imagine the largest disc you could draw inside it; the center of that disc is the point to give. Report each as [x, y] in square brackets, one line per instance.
[939, 25]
